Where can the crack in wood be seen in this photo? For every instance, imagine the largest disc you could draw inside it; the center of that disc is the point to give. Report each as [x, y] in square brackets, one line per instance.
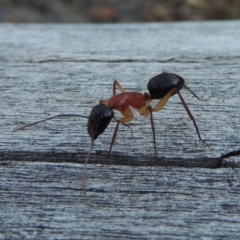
[126, 60]
[124, 160]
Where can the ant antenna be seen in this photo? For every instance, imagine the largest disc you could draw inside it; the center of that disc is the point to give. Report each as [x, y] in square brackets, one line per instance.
[85, 169]
[50, 118]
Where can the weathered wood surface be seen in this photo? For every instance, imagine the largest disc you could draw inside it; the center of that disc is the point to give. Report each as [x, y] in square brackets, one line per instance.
[44, 200]
[51, 69]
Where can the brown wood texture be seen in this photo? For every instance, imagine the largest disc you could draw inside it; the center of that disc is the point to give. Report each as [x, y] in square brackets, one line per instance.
[53, 69]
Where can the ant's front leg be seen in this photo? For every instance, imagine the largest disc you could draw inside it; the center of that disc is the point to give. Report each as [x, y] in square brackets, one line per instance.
[127, 117]
[117, 85]
[146, 111]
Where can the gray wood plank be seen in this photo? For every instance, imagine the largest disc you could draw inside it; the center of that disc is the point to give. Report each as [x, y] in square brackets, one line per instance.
[50, 69]
[47, 70]
[67, 70]
[44, 200]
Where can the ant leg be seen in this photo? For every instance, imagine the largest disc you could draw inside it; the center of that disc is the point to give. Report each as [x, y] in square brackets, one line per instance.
[117, 85]
[85, 169]
[128, 117]
[164, 100]
[191, 117]
[157, 108]
[153, 131]
[201, 99]
[146, 111]
[125, 124]
[112, 142]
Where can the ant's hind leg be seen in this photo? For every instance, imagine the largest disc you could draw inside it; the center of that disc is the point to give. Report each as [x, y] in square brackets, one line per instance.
[116, 85]
[127, 117]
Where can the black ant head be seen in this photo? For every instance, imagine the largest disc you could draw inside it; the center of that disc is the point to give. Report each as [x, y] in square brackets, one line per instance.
[98, 120]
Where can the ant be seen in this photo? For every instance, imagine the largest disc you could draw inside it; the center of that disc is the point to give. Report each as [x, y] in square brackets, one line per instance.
[162, 87]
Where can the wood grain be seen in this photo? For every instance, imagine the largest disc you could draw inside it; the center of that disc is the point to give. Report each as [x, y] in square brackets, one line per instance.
[52, 69]
[44, 200]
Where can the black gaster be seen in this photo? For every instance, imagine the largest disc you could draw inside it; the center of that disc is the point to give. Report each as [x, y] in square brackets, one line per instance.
[161, 84]
[98, 120]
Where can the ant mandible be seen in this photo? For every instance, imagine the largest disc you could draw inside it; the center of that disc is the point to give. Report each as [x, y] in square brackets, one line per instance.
[162, 87]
